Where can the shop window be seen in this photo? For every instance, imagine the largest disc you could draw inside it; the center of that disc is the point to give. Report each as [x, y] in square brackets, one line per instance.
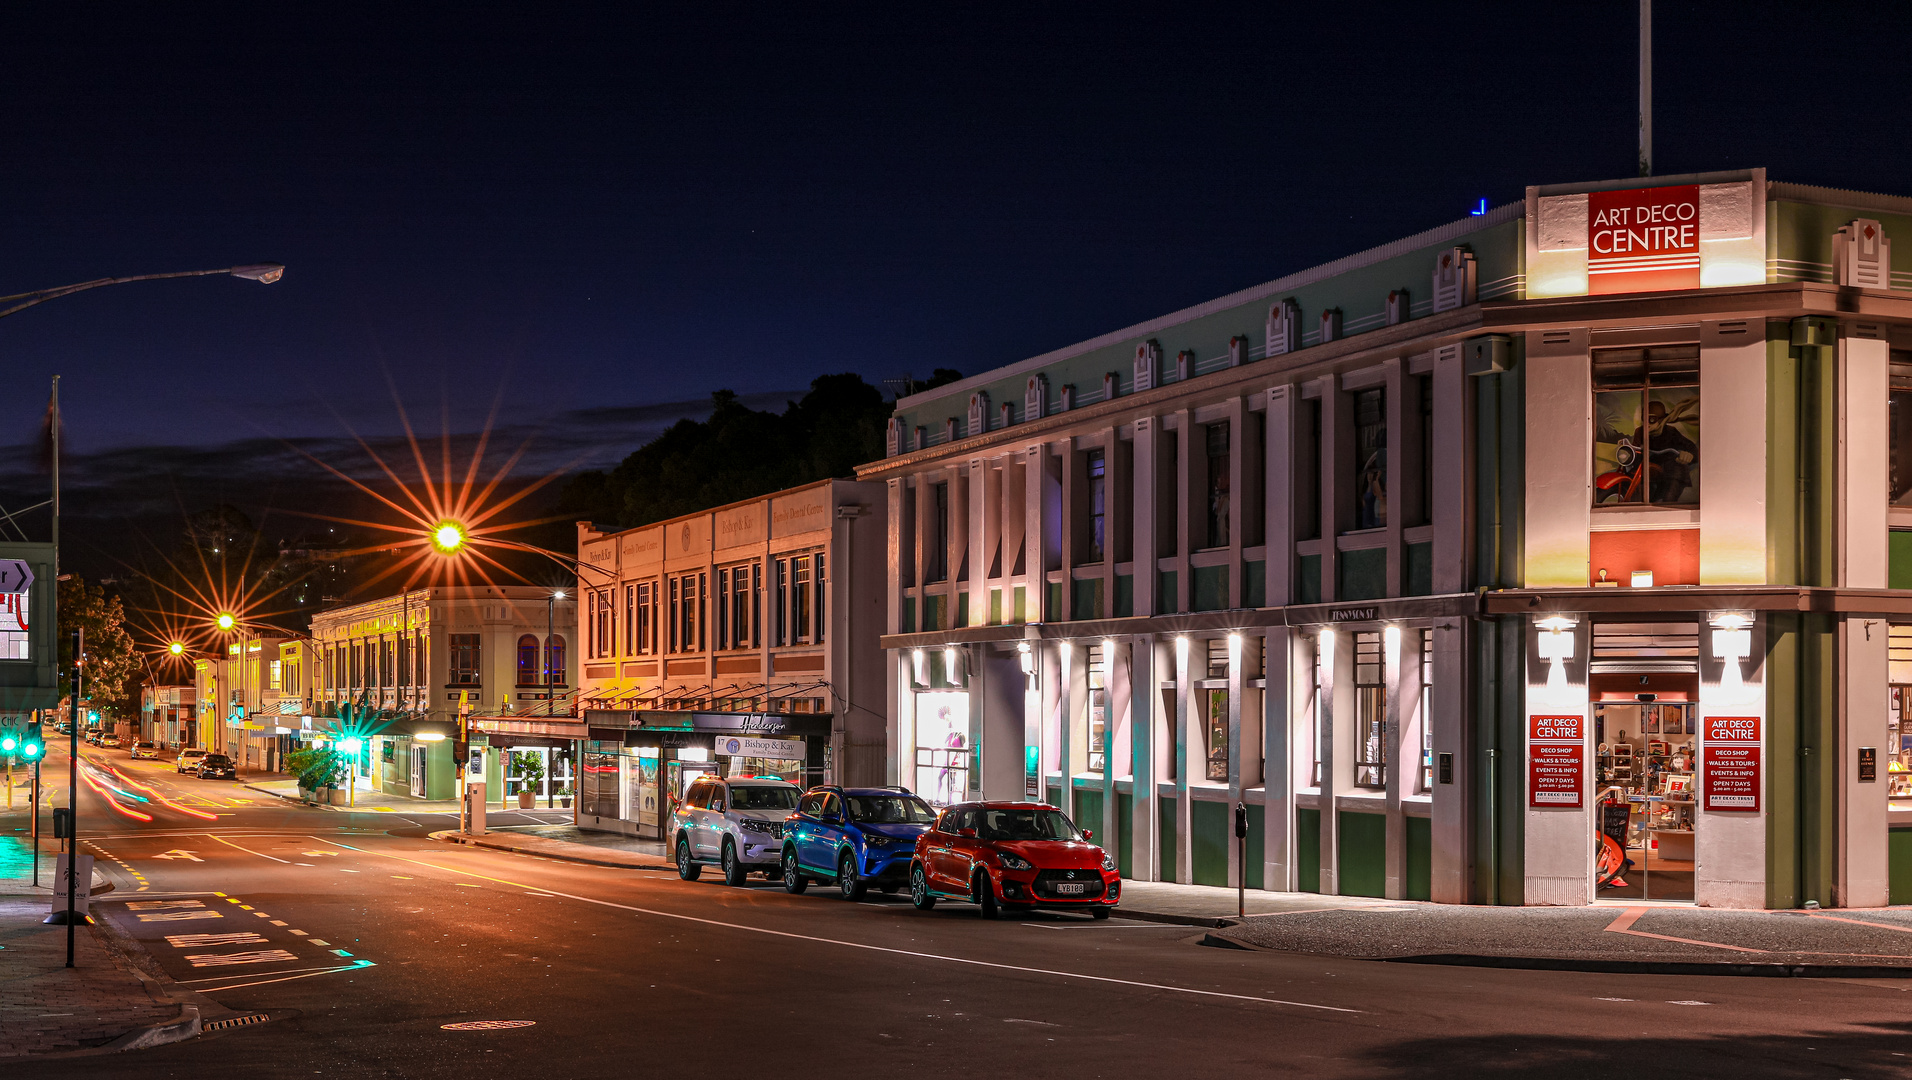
[554, 667]
[1098, 708]
[387, 667]
[1899, 413]
[1217, 654]
[1370, 458]
[464, 660]
[404, 647]
[600, 624]
[942, 746]
[1424, 387]
[1427, 713]
[1215, 706]
[936, 558]
[1217, 441]
[1370, 711]
[528, 660]
[640, 618]
[686, 615]
[801, 616]
[738, 589]
[1095, 469]
[1646, 426]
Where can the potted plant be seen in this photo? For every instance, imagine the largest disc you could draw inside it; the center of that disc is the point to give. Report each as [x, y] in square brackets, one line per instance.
[564, 797]
[318, 769]
[530, 776]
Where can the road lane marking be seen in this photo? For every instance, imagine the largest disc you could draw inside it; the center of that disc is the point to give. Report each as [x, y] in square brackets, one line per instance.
[301, 933]
[301, 973]
[316, 941]
[247, 850]
[259, 956]
[179, 916]
[199, 941]
[162, 905]
[1631, 915]
[877, 948]
[278, 922]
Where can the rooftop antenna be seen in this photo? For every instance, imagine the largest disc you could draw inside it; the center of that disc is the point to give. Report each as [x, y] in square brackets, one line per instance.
[1646, 87]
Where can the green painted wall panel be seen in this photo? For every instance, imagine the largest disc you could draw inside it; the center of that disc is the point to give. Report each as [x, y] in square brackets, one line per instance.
[1899, 866]
[1257, 845]
[1254, 584]
[1210, 834]
[1125, 834]
[1085, 601]
[1417, 575]
[995, 608]
[1899, 571]
[1019, 610]
[1165, 828]
[1420, 859]
[1364, 846]
[1308, 579]
[909, 617]
[1165, 601]
[1308, 850]
[1052, 610]
[1210, 589]
[962, 610]
[1124, 595]
[1364, 575]
[1088, 811]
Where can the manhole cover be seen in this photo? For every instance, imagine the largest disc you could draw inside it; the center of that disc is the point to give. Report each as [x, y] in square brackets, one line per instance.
[487, 1025]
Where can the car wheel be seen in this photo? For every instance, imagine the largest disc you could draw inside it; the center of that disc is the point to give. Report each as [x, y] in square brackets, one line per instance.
[1099, 913]
[849, 882]
[919, 889]
[984, 895]
[686, 869]
[793, 879]
[734, 872]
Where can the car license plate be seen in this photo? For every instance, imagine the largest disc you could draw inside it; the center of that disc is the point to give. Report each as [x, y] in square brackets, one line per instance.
[1068, 888]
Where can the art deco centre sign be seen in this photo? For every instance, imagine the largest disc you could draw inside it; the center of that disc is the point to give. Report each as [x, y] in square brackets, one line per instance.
[1708, 231]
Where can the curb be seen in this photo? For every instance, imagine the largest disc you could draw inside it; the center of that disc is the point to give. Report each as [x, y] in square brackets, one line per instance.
[1203, 921]
[1593, 965]
[185, 1026]
[449, 836]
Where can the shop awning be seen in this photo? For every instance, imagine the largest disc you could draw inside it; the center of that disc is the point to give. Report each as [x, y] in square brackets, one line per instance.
[556, 727]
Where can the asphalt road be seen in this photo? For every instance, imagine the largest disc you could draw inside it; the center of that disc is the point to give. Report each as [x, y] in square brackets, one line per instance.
[363, 939]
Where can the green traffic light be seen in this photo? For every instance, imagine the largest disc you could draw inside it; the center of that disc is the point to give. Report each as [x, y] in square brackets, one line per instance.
[33, 750]
[8, 743]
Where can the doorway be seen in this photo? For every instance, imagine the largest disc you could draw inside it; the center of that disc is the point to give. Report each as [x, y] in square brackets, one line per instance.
[1644, 681]
[418, 772]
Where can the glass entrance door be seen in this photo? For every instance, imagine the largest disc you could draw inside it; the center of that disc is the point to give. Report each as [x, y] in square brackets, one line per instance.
[1645, 763]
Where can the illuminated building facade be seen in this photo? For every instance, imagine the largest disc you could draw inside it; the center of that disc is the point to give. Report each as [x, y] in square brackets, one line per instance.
[1588, 516]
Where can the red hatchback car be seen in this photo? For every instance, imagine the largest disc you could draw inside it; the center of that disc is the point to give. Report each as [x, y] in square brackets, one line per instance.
[1016, 855]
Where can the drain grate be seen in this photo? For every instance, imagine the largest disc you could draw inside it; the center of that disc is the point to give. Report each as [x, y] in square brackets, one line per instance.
[487, 1025]
[234, 1021]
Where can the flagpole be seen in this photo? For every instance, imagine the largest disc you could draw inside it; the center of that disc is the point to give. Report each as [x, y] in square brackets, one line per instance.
[55, 421]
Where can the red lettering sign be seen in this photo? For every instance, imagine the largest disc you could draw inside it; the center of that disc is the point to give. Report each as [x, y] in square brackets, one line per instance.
[1732, 729]
[1556, 774]
[1730, 777]
[1561, 728]
[1643, 240]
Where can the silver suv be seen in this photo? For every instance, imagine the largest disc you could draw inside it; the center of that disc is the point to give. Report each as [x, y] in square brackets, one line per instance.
[736, 824]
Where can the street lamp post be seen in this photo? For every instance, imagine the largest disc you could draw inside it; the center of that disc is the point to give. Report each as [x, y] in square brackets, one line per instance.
[264, 273]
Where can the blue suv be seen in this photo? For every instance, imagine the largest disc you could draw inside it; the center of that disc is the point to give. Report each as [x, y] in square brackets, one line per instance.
[855, 837]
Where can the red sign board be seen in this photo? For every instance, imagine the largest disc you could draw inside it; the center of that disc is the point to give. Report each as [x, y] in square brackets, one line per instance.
[1643, 240]
[1730, 760]
[1732, 729]
[1556, 773]
[1730, 777]
[1555, 728]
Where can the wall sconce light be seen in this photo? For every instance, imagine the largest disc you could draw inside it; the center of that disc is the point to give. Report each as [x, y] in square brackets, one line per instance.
[1556, 647]
[1066, 651]
[952, 661]
[1026, 658]
[916, 664]
[1732, 642]
[1181, 654]
[1391, 641]
[1325, 642]
[1643, 579]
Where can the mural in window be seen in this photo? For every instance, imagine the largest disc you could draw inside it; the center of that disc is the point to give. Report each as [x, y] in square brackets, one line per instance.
[1371, 458]
[1646, 426]
[1217, 435]
[1899, 414]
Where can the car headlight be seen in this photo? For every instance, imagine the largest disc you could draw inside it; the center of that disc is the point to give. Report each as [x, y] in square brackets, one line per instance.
[1015, 862]
[1108, 862]
[877, 841]
[754, 826]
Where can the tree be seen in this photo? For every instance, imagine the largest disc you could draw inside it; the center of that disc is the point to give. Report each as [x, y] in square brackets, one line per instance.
[111, 678]
[738, 453]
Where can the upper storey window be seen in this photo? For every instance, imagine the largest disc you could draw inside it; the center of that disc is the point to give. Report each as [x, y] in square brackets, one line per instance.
[1371, 459]
[1900, 413]
[1646, 426]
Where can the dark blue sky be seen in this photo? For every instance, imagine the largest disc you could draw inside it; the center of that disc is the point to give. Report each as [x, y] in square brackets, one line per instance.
[624, 207]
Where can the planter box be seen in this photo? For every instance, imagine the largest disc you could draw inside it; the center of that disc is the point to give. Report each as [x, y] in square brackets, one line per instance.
[527, 800]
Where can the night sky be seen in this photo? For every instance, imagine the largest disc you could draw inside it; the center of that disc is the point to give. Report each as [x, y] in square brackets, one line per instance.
[596, 216]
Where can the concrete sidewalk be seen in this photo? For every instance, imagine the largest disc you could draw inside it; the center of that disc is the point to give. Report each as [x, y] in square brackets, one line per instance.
[381, 803]
[103, 1003]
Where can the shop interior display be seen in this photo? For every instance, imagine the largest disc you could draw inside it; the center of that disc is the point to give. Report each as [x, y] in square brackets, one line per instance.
[1648, 750]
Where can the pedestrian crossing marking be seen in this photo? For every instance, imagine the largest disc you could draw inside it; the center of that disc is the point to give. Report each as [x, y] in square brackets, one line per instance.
[200, 941]
[262, 956]
[178, 916]
[161, 905]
